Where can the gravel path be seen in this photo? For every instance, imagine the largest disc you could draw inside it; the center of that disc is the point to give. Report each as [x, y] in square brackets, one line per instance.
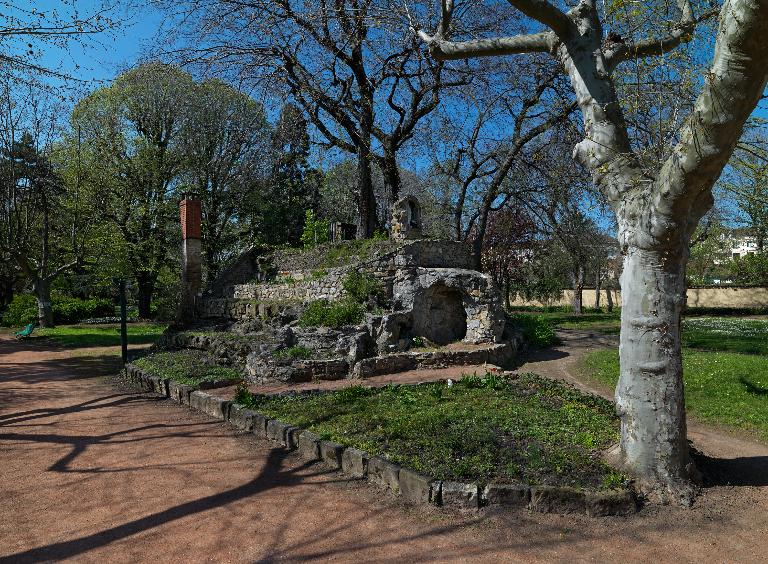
[90, 472]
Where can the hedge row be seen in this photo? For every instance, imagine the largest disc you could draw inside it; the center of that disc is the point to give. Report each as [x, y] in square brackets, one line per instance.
[23, 310]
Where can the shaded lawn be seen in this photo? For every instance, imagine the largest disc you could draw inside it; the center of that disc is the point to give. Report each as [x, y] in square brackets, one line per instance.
[748, 336]
[527, 429]
[102, 335]
[720, 387]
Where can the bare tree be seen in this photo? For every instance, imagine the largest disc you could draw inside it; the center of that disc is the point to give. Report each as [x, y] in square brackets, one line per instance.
[360, 77]
[657, 209]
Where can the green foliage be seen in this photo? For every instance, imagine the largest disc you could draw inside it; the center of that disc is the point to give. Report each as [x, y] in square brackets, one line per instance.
[23, 309]
[315, 230]
[103, 335]
[750, 270]
[189, 367]
[536, 329]
[296, 352]
[720, 388]
[331, 314]
[483, 428]
[361, 286]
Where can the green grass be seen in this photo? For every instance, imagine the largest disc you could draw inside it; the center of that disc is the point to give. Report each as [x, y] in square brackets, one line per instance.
[526, 429]
[102, 335]
[748, 336]
[722, 388]
[188, 367]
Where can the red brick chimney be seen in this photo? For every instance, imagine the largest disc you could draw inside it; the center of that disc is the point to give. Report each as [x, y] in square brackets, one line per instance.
[191, 256]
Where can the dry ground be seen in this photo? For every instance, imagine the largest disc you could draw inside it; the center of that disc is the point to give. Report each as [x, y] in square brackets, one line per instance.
[91, 472]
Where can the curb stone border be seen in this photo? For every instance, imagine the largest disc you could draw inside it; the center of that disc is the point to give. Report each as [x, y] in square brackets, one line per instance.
[410, 485]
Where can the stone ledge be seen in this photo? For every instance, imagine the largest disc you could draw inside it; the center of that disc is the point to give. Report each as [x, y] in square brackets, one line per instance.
[412, 486]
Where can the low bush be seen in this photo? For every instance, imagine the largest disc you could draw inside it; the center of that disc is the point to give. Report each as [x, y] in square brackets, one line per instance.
[23, 309]
[361, 286]
[293, 353]
[332, 314]
[537, 331]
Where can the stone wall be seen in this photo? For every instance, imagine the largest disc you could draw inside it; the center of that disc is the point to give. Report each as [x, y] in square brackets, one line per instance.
[250, 265]
[724, 297]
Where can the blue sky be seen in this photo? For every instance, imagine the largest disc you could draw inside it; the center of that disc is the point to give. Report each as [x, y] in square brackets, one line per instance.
[104, 58]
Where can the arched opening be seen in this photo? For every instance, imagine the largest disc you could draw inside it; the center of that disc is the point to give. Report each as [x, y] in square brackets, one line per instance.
[413, 214]
[440, 316]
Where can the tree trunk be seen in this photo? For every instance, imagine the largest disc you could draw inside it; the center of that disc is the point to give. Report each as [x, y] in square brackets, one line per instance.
[598, 285]
[146, 286]
[42, 289]
[366, 204]
[649, 394]
[608, 298]
[391, 175]
[578, 289]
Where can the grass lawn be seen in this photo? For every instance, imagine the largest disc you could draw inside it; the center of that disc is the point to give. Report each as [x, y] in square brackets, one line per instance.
[749, 336]
[723, 388]
[102, 335]
[526, 429]
[188, 367]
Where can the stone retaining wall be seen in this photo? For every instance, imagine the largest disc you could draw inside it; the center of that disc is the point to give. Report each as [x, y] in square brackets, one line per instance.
[410, 485]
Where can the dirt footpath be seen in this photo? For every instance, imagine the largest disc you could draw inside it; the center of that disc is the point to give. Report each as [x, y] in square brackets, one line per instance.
[93, 473]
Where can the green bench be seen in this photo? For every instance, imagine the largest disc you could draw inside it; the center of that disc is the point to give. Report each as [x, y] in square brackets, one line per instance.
[26, 332]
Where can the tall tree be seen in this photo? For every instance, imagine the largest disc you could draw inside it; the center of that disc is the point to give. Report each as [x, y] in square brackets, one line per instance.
[353, 68]
[35, 229]
[227, 155]
[134, 130]
[657, 209]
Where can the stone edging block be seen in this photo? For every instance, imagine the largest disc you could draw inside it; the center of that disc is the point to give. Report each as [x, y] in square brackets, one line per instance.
[412, 486]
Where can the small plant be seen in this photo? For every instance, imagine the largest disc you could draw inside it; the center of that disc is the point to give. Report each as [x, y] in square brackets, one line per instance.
[315, 230]
[293, 353]
[536, 330]
[320, 273]
[417, 341]
[332, 314]
[361, 286]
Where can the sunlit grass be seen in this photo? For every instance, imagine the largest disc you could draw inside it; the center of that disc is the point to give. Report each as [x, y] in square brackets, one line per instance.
[722, 388]
[102, 335]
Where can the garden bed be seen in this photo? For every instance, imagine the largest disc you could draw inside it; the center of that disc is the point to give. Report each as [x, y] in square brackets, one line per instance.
[524, 430]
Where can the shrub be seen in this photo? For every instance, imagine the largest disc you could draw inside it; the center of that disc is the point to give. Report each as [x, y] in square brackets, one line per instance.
[536, 330]
[23, 309]
[293, 353]
[315, 230]
[361, 286]
[331, 314]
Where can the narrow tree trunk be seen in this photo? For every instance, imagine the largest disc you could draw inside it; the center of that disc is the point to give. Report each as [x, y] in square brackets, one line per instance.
[649, 394]
[366, 204]
[146, 287]
[608, 298]
[391, 175]
[42, 289]
[598, 286]
[578, 289]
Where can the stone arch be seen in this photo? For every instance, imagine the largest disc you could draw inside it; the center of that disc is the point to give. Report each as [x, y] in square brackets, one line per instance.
[439, 315]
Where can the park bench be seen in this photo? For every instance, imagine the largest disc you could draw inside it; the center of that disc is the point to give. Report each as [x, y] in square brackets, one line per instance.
[26, 332]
